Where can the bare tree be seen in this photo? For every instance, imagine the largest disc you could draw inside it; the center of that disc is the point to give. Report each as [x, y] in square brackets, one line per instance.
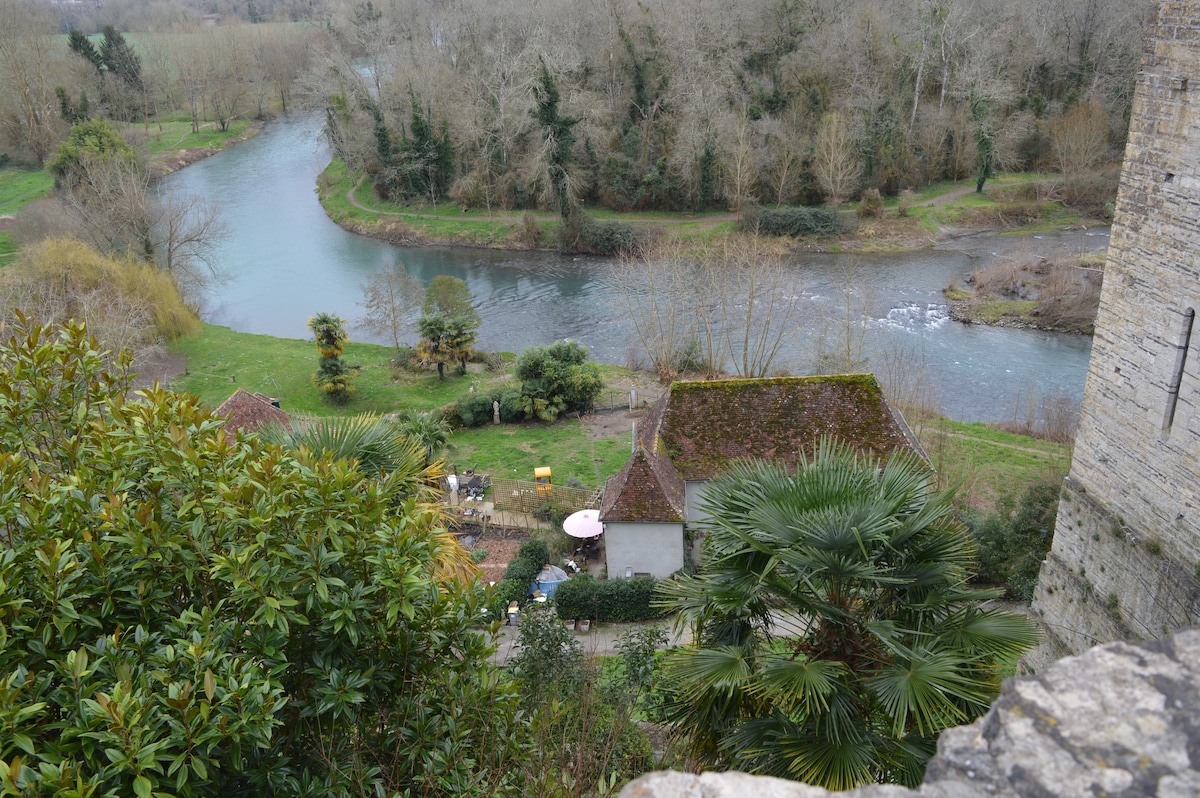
[186, 230]
[731, 303]
[662, 293]
[391, 299]
[29, 71]
[1079, 140]
[834, 161]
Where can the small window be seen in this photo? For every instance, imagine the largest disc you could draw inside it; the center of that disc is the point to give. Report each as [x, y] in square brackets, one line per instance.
[1181, 350]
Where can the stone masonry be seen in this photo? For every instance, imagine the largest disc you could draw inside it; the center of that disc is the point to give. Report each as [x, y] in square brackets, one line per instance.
[1124, 563]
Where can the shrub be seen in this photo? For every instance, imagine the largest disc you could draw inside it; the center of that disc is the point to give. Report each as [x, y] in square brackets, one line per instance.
[475, 409]
[577, 597]
[512, 407]
[536, 551]
[609, 237]
[610, 601]
[529, 232]
[1013, 540]
[793, 221]
[523, 570]
[871, 204]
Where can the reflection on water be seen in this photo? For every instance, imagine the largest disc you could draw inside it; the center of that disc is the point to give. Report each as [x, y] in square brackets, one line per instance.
[286, 260]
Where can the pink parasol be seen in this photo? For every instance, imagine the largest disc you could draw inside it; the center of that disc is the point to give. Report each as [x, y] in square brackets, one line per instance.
[583, 524]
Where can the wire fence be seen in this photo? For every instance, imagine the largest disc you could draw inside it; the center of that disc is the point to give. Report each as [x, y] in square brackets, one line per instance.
[520, 496]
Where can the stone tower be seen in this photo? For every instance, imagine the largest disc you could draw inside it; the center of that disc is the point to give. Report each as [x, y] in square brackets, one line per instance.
[1125, 563]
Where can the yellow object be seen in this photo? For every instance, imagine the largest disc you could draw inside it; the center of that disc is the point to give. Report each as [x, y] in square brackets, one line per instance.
[542, 477]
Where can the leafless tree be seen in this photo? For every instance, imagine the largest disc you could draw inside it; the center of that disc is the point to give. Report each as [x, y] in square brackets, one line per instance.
[1079, 139]
[727, 304]
[186, 231]
[391, 299]
[30, 67]
[834, 161]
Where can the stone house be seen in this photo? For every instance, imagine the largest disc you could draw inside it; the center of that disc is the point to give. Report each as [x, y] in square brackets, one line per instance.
[698, 427]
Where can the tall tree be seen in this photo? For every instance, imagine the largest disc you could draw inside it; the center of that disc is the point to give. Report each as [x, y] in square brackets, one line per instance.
[558, 139]
[390, 298]
[333, 377]
[29, 71]
[835, 632]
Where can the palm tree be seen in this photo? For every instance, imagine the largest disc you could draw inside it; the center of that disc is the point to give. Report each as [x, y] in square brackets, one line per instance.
[429, 430]
[835, 632]
[381, 446]
[330, 332]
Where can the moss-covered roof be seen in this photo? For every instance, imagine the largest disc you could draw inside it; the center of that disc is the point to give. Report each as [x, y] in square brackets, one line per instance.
[250, 412]
[647, 489]
[703, 425]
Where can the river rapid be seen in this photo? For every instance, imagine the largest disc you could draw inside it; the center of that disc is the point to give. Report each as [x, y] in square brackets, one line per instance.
[285, 260]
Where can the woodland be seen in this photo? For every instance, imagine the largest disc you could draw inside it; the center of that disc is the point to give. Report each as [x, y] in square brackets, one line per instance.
[650, 105]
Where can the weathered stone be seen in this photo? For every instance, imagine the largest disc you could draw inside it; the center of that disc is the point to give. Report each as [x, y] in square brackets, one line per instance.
[1127, 541]
[1121, 720]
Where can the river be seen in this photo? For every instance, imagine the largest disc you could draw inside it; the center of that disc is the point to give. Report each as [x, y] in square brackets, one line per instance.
[285, 260]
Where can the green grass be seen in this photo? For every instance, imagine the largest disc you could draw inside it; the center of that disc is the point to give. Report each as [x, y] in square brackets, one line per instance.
[512, 451]
[177, 135]
[19, 187]
[998, 311]
[219, 361]
[987, 463]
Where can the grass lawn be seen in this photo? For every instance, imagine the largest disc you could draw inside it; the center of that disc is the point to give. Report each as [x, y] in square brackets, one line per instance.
[177, 134]
[18, 187]
[986, 463]
[219, 361]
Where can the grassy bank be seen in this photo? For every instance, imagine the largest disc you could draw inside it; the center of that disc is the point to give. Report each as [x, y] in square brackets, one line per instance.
[985, 462]
[908, 222]
[219, 361]
[19, 187]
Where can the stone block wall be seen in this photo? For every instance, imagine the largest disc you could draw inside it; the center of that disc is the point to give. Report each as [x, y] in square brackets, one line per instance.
[1136, 454]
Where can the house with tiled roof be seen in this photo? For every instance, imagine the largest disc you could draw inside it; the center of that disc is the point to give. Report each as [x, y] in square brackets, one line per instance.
[698, 427]
[250, 412]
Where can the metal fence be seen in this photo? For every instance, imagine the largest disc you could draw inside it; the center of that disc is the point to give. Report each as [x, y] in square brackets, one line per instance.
[520, 496]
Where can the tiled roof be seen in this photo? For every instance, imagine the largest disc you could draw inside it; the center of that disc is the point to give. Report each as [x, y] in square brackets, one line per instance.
[646, 489]
[249, 412]
[703, 425]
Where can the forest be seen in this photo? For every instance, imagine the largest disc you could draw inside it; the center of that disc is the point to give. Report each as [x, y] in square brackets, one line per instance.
[654, 105]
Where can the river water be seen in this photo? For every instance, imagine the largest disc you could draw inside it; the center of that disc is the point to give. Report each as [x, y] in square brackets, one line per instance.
[285, 260]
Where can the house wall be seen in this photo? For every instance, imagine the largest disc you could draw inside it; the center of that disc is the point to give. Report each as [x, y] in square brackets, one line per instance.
[656, 549]
[1127, 541]
[695, 497]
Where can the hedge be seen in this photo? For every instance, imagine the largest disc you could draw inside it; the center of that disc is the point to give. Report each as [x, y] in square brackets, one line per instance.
[613, 600]
[793, 221]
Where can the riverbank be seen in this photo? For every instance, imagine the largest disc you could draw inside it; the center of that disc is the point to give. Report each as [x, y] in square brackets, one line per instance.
[915, 221]
[988, 462]
[1032, 290]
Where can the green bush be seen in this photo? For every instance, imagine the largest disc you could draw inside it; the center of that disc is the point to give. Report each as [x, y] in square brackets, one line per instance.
[578, 597]
[1013, 540]
[535, 551]
[187, 615]
[792, 221]
[608, 237]
[523, 570]
[512, 407]
[610, 601]
[475, 409]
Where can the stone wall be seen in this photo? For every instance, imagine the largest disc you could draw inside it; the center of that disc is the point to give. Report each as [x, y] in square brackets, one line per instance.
[1121, 720]
[1136, 454]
